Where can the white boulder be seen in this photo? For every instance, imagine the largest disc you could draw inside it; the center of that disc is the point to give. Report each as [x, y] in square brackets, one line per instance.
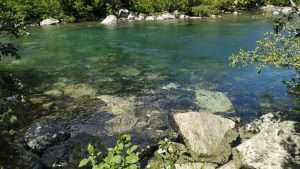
[49, 21]
[286, 10]
[110, 20]
[167, 16]
[182, 16]
[276, 146]
[150, 18]
[131, 17]
[140, 17]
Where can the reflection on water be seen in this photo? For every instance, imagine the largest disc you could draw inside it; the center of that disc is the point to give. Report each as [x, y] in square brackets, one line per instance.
[136, 58]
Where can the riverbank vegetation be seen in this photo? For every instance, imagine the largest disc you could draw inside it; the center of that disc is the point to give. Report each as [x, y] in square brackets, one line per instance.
[77, 10]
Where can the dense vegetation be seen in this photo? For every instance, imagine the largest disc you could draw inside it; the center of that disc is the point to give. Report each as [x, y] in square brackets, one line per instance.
[76, 10]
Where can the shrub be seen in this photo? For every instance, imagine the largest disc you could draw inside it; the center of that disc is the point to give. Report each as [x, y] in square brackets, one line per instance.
[123, 156]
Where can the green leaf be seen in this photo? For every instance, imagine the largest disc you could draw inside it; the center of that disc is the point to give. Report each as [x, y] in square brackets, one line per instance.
[83, 162]
[132, 159]
[91, 149]
[132, 149]
[117, 159]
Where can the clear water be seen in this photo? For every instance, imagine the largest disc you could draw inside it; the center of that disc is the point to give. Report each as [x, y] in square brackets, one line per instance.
[191, 53]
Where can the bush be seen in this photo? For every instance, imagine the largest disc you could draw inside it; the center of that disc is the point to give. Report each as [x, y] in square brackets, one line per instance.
[122, 156]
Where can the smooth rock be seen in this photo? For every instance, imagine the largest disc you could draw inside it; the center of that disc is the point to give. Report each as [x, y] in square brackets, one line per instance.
[54, 93]
[212, 101]
[131, 17]
[235, 13]
[118, 105]
[275, 13]
[206, 134]
[140, 17]
[167, 16]
[276, 146]
[49, 21]
[269, 8]
[286, 10]
[213, 16]
[42, 135]
[110, 20]
[150, 18]
[182, 16]
[230, 165]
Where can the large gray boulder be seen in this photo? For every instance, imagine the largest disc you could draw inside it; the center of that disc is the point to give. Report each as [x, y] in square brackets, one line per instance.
[42, 135]
[206, 134]
[110, 20]
[49, 21]
[276, 146]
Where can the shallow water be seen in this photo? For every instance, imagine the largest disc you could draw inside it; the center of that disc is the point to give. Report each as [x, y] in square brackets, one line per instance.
[133, 58]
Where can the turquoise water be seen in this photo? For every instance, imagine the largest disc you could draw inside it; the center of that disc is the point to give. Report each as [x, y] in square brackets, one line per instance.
[193, 53]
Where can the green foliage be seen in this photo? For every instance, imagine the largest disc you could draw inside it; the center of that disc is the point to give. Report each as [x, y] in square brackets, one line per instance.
[11, 24]
[275, 49]
[152, 6]
[123, 156]
[167, 154]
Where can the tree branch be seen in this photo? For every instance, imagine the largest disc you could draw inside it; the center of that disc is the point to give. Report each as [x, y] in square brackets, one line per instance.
[294, 5]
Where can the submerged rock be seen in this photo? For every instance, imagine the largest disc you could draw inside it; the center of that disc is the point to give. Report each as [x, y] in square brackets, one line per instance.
[49, 21]
[206, 135]
[129, 72]
[72, 90]
[118, 105]
[110, 20]
[215, 102]
[276, 146]
[42, 135]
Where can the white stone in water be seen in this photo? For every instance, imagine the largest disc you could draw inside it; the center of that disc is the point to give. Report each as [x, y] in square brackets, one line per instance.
[140, 17]
[275, 13]
[110, 20]
[235, 13]
[150, 18]
[213, 16]
[49, 21]
[184, 16]
[131, 17]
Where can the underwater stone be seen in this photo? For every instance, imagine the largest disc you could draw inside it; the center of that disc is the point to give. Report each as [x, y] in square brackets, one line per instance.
[214, 102]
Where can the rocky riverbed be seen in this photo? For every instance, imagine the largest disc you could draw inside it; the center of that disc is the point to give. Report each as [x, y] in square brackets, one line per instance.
[208, 129]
